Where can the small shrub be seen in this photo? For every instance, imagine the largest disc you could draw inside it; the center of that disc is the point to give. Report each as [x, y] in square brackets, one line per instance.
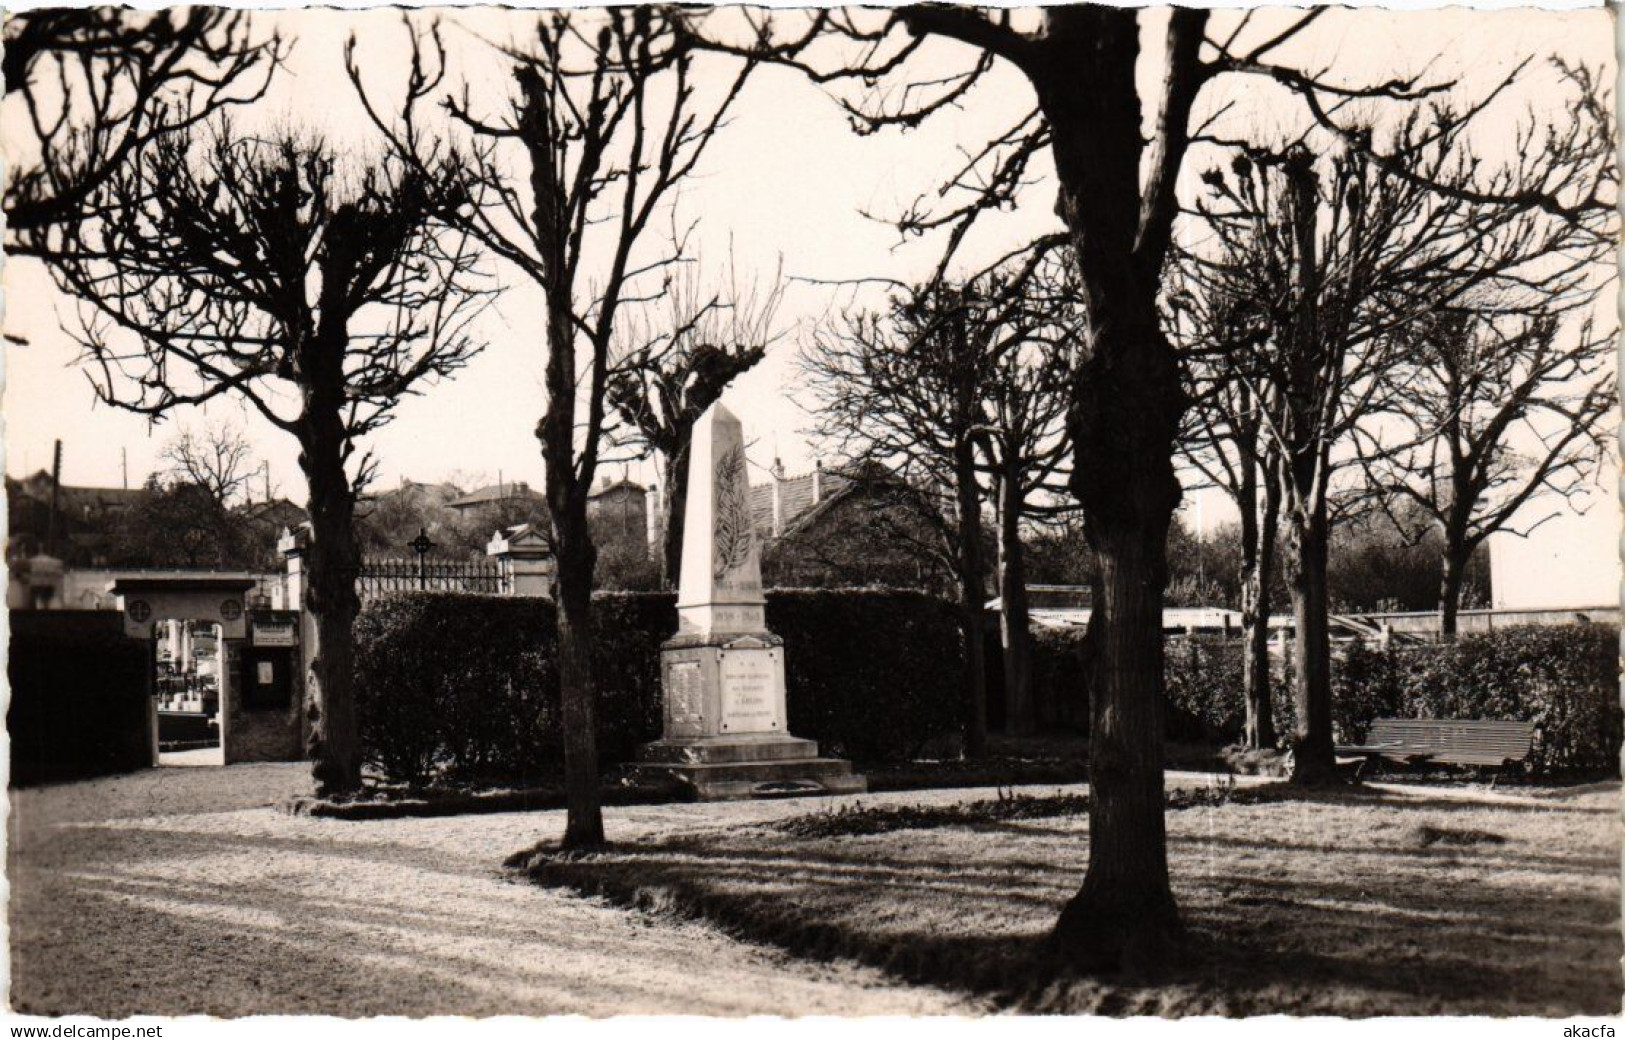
[1204, 689]
[1426, 836]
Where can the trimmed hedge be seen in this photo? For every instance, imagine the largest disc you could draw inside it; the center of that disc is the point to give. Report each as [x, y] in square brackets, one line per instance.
[1061, 660]
[1563, 678]
[465, 687]
[79, 697]
[1202, 678]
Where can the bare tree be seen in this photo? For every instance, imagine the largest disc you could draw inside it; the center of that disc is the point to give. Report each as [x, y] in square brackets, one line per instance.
[1226, 444]
[607, 120]
[674, 359]
[217, 458]
[228, 265]
[1500, 411]
[215, 465]
[1025, 447]
[1333, 258]
[905, 388]
[98, 84]
[946, 386]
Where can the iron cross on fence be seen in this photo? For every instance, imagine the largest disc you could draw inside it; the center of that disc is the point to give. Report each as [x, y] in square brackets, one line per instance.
[421, 545]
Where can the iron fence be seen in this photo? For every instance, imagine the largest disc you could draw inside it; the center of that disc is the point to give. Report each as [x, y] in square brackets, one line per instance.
[381, 577]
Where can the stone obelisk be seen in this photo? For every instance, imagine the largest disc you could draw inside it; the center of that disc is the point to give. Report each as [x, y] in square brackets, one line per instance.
[726, 733]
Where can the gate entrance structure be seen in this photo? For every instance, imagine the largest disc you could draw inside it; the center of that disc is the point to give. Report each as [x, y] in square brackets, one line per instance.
[257, 660]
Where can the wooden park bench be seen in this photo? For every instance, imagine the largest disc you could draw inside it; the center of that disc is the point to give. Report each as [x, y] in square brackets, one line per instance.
[1461, 742]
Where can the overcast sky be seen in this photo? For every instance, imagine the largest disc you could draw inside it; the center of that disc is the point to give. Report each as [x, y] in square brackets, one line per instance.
[787, 182]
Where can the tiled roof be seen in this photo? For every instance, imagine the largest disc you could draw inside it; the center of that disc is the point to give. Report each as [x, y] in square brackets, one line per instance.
[795, 499]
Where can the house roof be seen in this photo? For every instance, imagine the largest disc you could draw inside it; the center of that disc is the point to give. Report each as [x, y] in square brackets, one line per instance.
[795, 498]
[76, 499]
[624, 484]
[439, 492]
[279, 510]
[493, 493]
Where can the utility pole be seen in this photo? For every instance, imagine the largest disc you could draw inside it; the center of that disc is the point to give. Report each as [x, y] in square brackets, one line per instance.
[56, 487]
[124, 465]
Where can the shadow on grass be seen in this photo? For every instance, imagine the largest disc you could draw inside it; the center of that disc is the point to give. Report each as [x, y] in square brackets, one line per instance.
[1460, 924]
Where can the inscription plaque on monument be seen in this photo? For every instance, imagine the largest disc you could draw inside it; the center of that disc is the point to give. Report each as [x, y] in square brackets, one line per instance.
[685, 697]
[750, 691]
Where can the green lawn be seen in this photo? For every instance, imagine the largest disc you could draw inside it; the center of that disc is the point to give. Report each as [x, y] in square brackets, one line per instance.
[1365, 902]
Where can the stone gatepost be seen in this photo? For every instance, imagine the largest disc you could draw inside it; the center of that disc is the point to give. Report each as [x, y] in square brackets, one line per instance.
[293, 545]
[722, 675]
[525, 558]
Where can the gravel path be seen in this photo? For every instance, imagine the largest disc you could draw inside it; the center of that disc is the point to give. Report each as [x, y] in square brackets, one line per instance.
[181, 891]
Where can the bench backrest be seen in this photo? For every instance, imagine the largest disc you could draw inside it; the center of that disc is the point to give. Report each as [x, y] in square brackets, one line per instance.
[1487, 742]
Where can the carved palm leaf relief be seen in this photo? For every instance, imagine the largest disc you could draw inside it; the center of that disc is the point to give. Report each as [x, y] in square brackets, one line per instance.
[732, 513]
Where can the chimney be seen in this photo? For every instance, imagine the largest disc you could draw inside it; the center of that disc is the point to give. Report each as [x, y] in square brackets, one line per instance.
[818, 481]
[778, 498]
[652, 513]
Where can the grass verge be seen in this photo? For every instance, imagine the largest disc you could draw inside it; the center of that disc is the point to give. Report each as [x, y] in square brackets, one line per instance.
[1342, 902]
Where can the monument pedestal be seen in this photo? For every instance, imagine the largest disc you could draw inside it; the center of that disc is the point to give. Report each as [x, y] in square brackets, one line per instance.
[725, 730]
[726, 733]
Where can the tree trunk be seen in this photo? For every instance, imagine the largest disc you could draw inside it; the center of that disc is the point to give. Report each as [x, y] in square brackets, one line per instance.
[334, 562]
[672, 503]
[576, 557]
[584, 825]
[1127, 404]
[1305, 462]
[1450, 586]
[1125, 917]
[972, 598]
[1258, 550]
[1019, 713]
[1312, 757]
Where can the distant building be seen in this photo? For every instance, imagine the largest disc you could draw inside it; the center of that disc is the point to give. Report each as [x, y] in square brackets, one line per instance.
[1570, 561]
[85, 517]
[776, 507]
[416, 493]
[851, 527]
[496, 496]
[1069, 606]
[618, 510]
[274, 515]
